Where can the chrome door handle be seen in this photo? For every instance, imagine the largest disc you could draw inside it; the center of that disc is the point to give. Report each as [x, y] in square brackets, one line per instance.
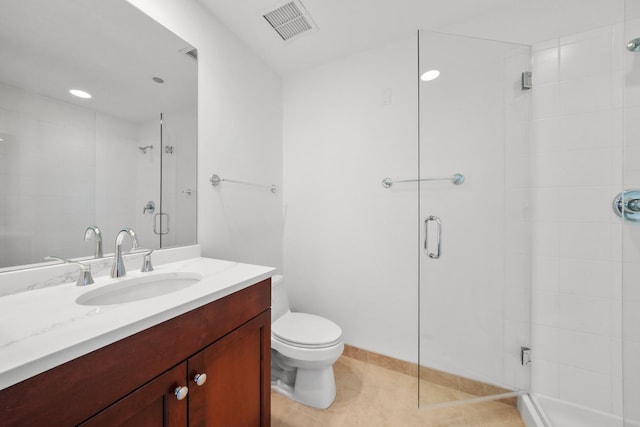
[160, 232]
[435, 219]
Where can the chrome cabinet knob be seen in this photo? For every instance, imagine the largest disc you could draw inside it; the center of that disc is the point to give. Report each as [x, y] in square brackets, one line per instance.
[181, 392]
[200, 379]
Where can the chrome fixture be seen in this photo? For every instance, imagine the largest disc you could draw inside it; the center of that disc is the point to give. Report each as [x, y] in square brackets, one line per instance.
[634, 45]
[149, 207]
[525, 356]
[627, 202]
[436, 254]
[118, 270]
[146, 263]
[525, 81]
[215, 180]
[94, 231]
[456, 179]
[84, 278]
[161, 232]
[145, 148]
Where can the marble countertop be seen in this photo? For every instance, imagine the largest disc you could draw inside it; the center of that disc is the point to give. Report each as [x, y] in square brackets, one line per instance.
[44, 328]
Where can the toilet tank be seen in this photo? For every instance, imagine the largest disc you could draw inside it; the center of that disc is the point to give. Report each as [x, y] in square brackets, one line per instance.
[279, 298]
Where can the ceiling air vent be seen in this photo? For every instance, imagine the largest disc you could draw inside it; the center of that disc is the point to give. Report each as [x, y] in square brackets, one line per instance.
[289, 20]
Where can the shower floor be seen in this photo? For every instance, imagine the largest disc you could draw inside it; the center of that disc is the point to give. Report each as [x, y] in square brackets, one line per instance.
[370, 395]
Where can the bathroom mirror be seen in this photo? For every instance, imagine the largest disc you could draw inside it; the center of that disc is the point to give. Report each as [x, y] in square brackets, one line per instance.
[124, 157]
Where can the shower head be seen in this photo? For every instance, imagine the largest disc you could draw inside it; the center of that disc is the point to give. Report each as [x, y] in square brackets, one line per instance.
[145, 148]
[634, 45]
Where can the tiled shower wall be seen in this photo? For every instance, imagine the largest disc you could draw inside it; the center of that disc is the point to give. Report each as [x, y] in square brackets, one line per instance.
[576, 154]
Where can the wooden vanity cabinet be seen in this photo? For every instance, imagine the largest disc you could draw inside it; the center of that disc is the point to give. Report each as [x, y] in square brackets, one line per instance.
[153, 404]
[132, 382]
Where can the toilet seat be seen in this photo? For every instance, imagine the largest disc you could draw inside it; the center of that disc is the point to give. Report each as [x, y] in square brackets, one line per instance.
[306, 331]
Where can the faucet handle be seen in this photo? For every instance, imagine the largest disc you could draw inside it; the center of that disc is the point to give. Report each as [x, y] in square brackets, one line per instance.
[84, 278]
[146, 263]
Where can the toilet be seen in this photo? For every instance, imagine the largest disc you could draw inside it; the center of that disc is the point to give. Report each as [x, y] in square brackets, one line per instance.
[304, 348]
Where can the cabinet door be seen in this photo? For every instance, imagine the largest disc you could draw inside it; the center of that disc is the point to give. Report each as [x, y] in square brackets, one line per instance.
[153, 404]
[238, 369]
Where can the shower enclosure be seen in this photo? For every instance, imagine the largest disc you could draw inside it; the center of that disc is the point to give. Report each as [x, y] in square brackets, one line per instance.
[527, 252]
[474, 292]
[174, 224]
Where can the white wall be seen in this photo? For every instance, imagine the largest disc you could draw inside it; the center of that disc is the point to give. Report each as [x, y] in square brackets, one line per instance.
[351, 247]
[239, 137]
[47, 159]
[117, 180]
[350, 244]
[576, 270]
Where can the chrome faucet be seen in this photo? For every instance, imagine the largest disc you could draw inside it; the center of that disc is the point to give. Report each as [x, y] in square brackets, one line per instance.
[95, 231]
[118, 269]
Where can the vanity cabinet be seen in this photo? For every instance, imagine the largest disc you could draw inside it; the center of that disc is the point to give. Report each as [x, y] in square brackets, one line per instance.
[132, 382]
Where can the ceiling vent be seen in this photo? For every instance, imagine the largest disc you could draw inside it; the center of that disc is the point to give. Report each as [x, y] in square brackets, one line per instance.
[289, 20]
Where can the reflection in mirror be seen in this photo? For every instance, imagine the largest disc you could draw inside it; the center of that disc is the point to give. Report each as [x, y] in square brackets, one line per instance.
[125, 157]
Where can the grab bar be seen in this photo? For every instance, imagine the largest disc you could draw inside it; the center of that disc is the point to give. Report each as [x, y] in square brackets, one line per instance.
[456, 179]
[215, 180]
[435, 255]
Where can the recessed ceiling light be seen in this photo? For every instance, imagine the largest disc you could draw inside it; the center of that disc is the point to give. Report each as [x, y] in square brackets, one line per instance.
[430, 75]
[80, 93]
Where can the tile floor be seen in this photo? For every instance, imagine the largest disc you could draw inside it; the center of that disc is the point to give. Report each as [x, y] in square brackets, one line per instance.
[368, 395]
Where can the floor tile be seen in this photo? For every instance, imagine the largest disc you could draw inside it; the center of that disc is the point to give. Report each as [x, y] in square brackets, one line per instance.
[369, 395]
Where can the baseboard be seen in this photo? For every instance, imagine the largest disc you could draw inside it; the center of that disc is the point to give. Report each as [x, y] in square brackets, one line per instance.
[466, 385]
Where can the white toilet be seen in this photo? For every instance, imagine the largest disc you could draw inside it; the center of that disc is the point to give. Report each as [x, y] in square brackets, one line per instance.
[304, 348]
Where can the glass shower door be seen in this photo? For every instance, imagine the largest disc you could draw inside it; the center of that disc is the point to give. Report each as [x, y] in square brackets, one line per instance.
[175, 223]
[474, 295]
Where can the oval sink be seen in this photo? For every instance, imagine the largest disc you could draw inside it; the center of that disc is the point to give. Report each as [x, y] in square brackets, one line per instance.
[139, 288]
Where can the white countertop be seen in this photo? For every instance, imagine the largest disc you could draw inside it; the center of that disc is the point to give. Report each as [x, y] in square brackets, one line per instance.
[44, 328]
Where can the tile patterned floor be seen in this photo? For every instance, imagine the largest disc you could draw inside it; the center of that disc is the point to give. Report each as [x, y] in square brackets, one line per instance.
[371, 396]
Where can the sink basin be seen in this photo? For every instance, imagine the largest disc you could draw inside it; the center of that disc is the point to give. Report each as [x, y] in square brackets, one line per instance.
[139, 288]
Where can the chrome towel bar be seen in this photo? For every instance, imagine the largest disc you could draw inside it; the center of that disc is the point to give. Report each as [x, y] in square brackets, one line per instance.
[215, 180]
[456, 179]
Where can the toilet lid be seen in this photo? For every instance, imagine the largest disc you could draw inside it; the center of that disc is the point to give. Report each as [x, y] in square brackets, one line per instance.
[306, 330]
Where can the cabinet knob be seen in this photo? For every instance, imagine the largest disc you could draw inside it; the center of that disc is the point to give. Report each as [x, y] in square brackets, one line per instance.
[181, 392]
[200, 379]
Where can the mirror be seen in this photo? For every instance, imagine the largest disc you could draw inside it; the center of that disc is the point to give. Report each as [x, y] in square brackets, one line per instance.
[124, 157]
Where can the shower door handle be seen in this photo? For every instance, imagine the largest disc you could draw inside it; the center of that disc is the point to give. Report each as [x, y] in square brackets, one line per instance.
[435, 219]
[163, 230]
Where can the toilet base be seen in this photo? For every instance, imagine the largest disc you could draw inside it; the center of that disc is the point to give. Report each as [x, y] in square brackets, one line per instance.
[313, 387]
